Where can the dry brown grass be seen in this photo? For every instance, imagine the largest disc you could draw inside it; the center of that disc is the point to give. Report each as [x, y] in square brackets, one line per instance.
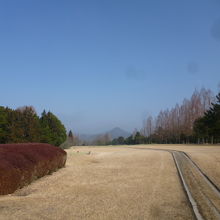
[110, 183]
[207, 157]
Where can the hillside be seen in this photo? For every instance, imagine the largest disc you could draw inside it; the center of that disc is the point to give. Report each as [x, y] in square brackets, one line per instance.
[114, 133]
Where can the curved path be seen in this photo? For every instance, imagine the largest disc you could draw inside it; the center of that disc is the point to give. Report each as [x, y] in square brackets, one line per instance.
[202, 193]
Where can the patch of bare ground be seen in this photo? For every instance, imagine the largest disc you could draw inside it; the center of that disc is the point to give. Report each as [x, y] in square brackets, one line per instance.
[108, 183]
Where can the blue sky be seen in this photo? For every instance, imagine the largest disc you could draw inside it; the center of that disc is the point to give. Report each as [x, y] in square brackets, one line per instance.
[101, 64]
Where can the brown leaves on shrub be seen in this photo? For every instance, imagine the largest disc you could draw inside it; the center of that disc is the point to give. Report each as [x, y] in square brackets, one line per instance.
[20, 164]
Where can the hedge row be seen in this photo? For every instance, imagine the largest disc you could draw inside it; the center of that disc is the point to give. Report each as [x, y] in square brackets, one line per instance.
[20, 164]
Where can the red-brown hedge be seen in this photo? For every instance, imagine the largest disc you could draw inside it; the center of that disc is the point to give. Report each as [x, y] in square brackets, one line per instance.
[20, 164]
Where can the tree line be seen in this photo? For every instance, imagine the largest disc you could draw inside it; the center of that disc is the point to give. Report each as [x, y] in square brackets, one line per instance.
[175, 125]
[135, 138]
[196, 120]
[24, 125]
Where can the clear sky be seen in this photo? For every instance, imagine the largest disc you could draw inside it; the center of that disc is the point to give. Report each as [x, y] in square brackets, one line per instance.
[101, 64]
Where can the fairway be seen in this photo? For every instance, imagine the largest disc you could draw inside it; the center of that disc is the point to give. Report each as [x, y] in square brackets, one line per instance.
[110, 110]
[108, 183]
[206, 156]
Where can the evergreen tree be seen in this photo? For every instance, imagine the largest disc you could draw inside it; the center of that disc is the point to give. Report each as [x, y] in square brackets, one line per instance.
[30, 124]
[208, 127]
[52, 130]
[129, 140]
[3, 125]
[138, 138]
[70, 139]
[121, 140]
[118, 141]
[15, 129]
[201, 130]
[24, 125]
[212, 118]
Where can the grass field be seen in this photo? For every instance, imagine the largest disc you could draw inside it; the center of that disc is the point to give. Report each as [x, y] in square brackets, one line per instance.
[206, 156]
[111, 183]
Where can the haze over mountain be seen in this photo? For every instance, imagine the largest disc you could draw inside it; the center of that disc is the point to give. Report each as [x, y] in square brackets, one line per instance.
[118, 132]
[114, 133]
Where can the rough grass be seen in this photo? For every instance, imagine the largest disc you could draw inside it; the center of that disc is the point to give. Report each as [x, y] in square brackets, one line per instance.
[207, 157]
[20, 164]
[109, 183]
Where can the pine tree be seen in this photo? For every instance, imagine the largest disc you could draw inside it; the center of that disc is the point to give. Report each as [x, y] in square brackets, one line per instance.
[212, 118]
[29, 124]
[208, 127]
[3, 125]
[71, 138]
[52, 130]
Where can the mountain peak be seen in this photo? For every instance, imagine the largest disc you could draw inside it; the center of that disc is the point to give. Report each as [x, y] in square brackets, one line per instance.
[114, 133]
[116, 129]
[118, 132]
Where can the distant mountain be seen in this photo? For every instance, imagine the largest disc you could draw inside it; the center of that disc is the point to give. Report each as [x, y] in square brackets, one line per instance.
[114, 133]
[118, 132]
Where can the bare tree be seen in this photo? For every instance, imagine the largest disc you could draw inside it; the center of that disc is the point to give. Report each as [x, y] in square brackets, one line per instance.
[171, 125]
